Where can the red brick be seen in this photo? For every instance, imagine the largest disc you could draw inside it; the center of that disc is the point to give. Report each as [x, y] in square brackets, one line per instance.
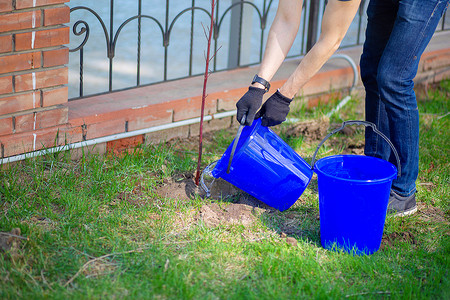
[24, 123]
[47, 78]
[326, 81]
[43, 119]
[226, 100]
[166, 135]
[79, 153]
[5, 43]
[45, 138]
[20, 20]
[443, 75]
[49, 137]
[190, 108]
[56, 16]
[6, 5]
[16, 144]
[29, 3]
[56, 57]
[424, 78]
[211, 125]
[323, 98]
[6, 85]
[119, 146]
[20, 62]
[55, 96]
[43, 38]
[50, 118]
[6, 126]
[105, 128]
[436, 60]
[19, 102]
[148, 118]
[70, 134]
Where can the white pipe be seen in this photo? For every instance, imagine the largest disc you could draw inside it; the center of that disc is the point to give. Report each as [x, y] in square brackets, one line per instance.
[339, 106]
[225, 114]
[115, 137]
[355, 82]
[352, 64]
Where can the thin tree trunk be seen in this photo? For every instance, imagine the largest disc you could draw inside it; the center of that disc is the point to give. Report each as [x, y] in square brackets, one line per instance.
[205, 80]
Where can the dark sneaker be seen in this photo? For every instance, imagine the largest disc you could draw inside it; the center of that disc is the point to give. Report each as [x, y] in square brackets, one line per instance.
[400, 206]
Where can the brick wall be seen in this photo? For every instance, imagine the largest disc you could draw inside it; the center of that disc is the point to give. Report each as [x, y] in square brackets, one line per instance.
[33, 74]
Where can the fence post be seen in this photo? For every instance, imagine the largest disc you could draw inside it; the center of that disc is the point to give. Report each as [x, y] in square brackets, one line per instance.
[240, 34]
[313, 25]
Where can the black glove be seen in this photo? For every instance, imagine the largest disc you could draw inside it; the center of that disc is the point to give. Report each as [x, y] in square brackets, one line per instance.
[249, 104]
[274, 110]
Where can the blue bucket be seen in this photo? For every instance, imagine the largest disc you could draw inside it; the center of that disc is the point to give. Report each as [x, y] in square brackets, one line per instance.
[265, 167]
[353, 198]
[353, 190]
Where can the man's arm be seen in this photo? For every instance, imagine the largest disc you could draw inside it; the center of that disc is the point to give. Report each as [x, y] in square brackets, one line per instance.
[337, 18]
[281, 36]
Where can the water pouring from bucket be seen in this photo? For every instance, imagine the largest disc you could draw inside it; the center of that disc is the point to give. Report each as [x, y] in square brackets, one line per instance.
[353, 189]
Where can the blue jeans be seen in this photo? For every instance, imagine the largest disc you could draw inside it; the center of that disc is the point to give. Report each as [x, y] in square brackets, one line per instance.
[397, 33]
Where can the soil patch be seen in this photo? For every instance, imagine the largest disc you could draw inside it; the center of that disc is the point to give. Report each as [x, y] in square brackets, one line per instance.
[352, 144]
[289, 239]
[310, 130]
[180, 186]
[432, 214]
[425, 213]
[316, 130]
[242, 209]
[10, 241]
[390, 239]
[212, 215]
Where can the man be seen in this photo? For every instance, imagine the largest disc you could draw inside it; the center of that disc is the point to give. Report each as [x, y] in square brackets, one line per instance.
[396, 36]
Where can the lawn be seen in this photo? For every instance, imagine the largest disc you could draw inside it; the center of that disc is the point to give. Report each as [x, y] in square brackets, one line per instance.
[108, 227]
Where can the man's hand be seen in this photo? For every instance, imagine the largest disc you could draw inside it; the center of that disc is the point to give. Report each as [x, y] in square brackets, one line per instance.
[249, 104]
[274, 110]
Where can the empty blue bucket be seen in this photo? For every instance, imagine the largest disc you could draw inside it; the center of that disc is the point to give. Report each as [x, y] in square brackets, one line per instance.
[353, 198]
[265, 167]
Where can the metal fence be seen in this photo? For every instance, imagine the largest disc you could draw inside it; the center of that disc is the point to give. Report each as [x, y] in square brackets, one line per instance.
[120, 44]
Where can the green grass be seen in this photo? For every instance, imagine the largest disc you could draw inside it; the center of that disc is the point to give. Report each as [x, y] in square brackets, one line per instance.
[73, 213]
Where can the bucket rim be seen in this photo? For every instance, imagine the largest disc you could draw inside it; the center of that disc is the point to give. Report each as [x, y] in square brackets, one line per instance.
[361, 181]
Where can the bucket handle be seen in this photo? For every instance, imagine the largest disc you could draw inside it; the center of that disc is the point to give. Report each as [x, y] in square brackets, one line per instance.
[367, 124]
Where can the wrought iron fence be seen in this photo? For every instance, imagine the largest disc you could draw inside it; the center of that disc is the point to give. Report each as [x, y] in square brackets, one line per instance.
[147, 42]
[165, 25]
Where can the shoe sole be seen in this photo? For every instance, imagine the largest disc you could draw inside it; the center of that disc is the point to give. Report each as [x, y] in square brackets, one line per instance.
[405, 213]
